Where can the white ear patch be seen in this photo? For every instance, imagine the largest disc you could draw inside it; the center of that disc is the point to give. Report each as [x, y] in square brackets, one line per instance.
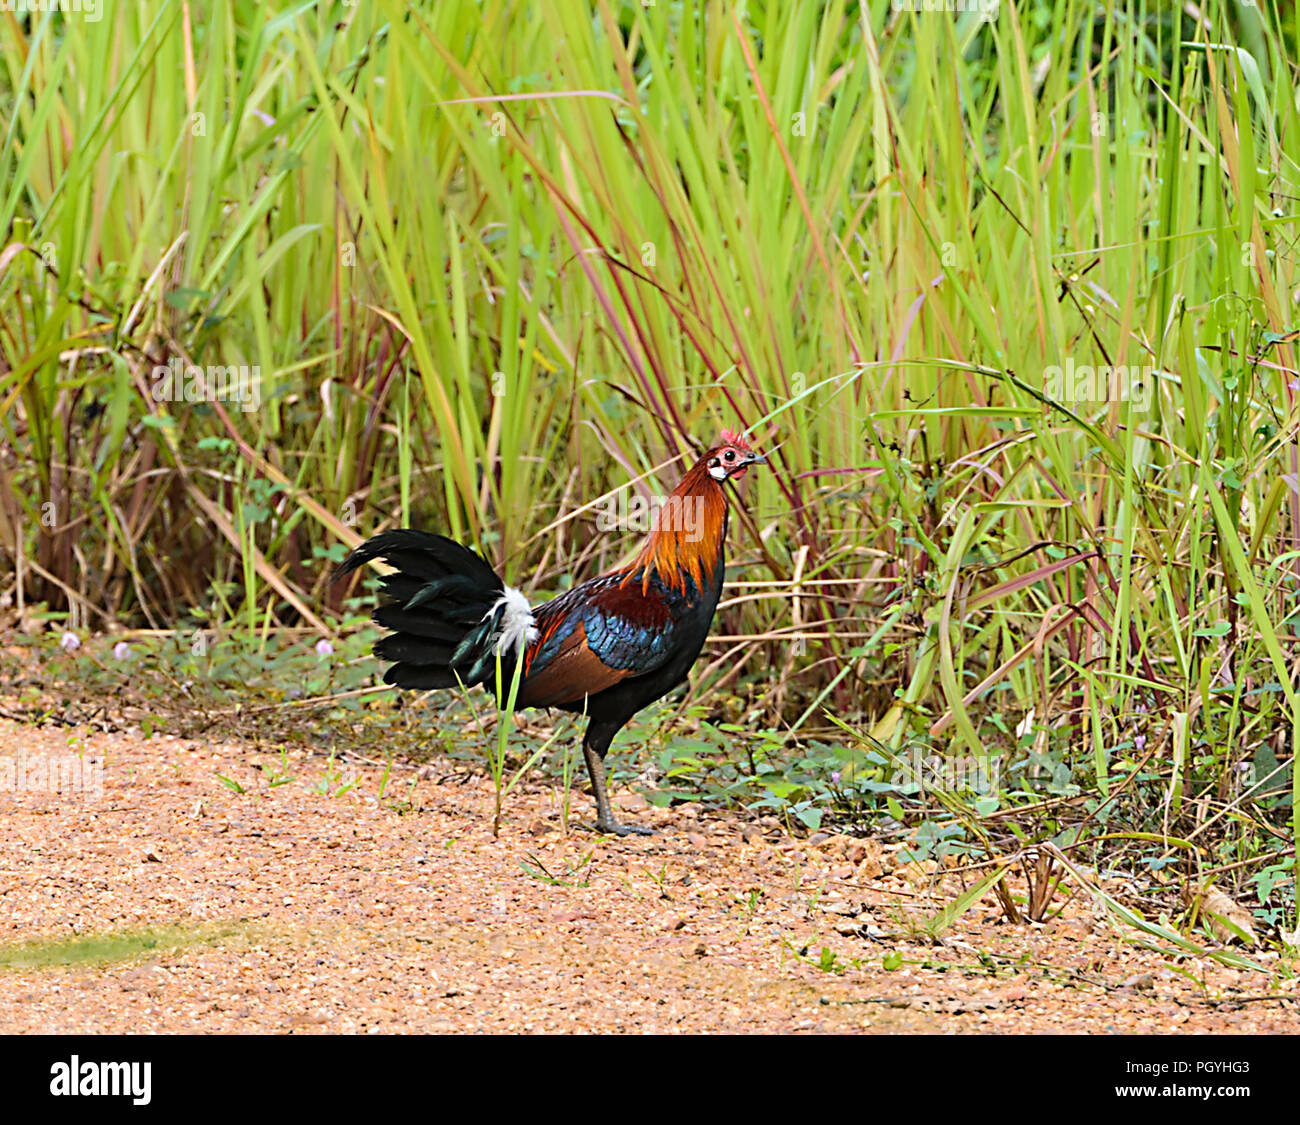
[717, 471]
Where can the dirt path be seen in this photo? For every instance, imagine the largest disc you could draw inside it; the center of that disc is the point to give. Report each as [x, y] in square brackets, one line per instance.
[283, 908]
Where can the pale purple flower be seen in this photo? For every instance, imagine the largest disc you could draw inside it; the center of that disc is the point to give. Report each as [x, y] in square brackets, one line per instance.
[1139, 741]
[835, 777]
[324, 648]
[121, 650]
[69, 642]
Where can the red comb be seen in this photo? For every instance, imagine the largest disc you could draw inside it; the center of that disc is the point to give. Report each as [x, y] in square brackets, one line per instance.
[734, 438]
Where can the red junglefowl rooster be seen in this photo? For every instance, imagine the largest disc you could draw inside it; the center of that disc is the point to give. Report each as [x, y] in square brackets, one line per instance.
[605, 648]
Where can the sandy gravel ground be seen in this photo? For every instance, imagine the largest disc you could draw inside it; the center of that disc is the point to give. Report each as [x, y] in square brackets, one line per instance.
[286, 908]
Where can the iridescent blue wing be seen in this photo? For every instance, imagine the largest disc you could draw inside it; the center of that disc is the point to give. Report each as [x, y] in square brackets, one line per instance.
[595, 636]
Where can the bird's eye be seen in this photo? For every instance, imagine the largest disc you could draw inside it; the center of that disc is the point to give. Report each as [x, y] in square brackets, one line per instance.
[730, 454]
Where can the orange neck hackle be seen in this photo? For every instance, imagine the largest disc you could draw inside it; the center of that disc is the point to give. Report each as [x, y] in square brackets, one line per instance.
[686, 543]
[688, 533]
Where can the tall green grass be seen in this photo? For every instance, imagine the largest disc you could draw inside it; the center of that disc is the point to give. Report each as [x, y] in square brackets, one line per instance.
[496, 260]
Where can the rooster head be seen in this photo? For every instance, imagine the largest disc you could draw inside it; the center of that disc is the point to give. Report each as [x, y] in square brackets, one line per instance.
[731, 456]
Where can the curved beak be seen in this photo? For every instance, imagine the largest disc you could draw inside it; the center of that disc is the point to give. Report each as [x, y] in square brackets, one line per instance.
[747, 459]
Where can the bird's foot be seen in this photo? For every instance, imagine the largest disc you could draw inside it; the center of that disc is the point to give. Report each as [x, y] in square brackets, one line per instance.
[613, 828]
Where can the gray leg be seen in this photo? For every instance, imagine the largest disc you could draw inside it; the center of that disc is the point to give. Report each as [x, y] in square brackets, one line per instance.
[605, 821]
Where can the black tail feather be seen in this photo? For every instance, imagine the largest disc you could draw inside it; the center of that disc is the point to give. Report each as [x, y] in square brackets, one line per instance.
[421, 678]
[401, 620]
[443, 607]
[401, 648]
[420, 554]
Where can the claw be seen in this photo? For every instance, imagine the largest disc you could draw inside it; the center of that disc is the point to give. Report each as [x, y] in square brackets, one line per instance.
[614, 828]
